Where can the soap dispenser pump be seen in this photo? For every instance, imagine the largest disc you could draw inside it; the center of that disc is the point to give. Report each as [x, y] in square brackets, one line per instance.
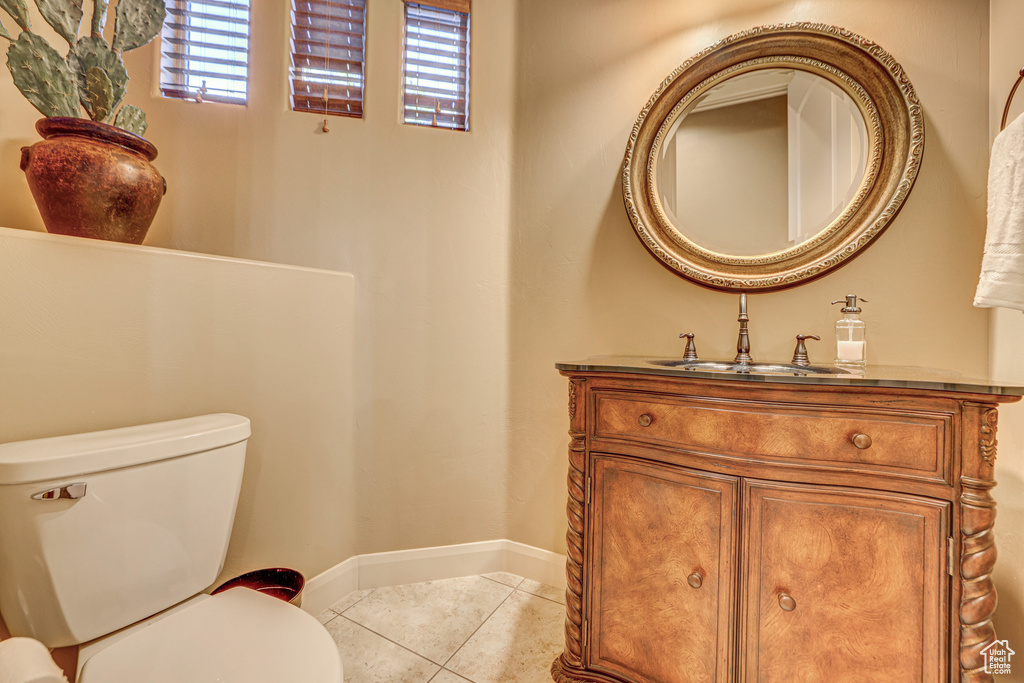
[851, 339]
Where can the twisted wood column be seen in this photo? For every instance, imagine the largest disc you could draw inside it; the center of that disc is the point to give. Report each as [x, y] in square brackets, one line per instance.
[572, 657]
[977, 542]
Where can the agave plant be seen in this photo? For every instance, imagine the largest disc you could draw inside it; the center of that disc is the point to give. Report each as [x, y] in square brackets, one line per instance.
[92, 75]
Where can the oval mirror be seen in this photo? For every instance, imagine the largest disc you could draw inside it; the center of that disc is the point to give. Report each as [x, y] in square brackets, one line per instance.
[773, 157]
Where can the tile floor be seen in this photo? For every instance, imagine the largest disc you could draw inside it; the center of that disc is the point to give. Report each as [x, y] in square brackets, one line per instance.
[492, 628]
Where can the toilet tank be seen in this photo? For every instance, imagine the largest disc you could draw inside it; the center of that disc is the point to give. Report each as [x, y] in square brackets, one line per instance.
[150, 528]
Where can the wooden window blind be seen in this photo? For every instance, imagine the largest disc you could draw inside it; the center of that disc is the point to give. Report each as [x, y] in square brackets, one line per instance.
[327, 56]
[436, 81]
[205, 50]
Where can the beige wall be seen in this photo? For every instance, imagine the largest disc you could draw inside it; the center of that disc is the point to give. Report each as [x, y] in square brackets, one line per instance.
[1007, 362]
[98, 335]
[582, 283]
[420, 216]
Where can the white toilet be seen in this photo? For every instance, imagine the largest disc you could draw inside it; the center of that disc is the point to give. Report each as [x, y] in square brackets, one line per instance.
[99, 531]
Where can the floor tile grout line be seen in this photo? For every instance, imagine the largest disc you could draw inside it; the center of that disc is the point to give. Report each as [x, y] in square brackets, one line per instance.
[515, 588]
[501, 583]
[534, 595]
[523, 590]
[443, 667]
[436, 673]
[372, 591]
[393, 642]
[459, 676]
[419, 654]
[510, 594]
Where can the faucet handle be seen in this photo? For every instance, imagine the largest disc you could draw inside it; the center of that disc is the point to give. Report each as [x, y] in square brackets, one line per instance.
[800, 352]
[690, 354]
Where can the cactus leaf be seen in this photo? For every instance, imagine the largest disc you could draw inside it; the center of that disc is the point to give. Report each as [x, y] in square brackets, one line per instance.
[65, 16]
[91, 52]
[42, 76]
[99, 17]
[4, 33]
[99, 94]
[19, 10]
[137, 22]
[132, 119]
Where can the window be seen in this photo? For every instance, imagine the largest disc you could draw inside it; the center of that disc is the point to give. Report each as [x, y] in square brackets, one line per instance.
[205, 50]
[327, 56]
[436, 83]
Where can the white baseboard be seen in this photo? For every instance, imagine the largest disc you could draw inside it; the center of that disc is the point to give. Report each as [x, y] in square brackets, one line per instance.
[430, 564]
[329, 586]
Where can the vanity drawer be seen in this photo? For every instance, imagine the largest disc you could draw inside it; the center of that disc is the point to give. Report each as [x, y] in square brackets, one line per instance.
[830, 438]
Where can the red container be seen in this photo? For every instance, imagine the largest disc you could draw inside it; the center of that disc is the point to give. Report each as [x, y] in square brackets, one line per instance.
[280, 583]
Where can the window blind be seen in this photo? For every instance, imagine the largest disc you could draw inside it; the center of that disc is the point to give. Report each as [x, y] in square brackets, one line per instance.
[436, 82]
[205, 50]
[327, 56]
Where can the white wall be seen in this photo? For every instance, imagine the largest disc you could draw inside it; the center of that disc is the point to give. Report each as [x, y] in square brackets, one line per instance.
[420, 216]
[96, 335]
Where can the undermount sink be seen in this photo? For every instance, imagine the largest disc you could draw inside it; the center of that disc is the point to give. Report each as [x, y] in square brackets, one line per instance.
[749, 368]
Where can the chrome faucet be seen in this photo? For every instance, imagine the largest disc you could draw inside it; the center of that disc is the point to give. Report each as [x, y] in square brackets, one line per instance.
[743, 343]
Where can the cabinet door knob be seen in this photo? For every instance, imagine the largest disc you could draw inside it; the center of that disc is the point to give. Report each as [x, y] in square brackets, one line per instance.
[645, 420]
[862, 441]
[786, 602]
[695, 580]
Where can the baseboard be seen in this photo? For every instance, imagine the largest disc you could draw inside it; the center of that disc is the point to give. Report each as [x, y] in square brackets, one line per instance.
[327, 587]
[430, 564]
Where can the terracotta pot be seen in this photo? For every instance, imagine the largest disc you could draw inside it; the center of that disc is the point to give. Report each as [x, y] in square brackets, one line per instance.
[93, 180]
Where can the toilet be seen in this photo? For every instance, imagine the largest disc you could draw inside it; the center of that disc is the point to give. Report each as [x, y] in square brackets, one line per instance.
[109, 538]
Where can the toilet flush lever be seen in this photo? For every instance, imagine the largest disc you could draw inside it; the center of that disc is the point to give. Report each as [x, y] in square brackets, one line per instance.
[73, 491]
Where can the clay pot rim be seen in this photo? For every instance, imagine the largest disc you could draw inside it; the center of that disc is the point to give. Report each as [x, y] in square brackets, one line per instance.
[58, 126]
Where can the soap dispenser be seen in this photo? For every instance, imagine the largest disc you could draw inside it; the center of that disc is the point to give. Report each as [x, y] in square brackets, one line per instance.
[851, 340]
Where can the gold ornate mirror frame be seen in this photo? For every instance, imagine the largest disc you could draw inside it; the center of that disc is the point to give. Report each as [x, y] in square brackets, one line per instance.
[862, 69]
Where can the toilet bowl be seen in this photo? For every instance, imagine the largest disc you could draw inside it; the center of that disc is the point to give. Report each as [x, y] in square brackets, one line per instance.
[237, 635]
[108, 538]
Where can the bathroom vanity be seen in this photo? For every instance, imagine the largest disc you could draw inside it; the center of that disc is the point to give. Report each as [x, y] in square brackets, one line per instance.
[731, 527]
[745, 521]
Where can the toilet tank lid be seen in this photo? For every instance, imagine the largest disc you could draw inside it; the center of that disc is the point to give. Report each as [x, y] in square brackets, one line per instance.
[58, 457]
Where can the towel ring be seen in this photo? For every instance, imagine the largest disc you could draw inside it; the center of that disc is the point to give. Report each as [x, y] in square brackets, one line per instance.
[1009, 100]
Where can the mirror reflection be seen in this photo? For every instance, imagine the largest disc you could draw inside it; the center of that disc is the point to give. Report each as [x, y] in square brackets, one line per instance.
[762, 162]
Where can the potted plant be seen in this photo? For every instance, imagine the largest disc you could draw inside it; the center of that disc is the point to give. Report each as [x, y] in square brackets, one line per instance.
[90, 177]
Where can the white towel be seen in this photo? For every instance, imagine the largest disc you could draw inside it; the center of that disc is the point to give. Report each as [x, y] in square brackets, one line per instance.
[25, 660]
[1002, 267]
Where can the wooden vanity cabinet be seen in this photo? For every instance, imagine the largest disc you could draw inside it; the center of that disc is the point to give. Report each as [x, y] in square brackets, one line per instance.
[746, 531]
[843, 584]
[664, 590]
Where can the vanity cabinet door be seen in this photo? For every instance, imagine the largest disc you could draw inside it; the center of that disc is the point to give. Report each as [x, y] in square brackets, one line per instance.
[661, 572]
[843, 585]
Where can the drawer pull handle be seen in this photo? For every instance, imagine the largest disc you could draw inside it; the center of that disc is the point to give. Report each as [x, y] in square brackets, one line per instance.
[645, 420]
[695, 580]
[862, 441]
[786, 602]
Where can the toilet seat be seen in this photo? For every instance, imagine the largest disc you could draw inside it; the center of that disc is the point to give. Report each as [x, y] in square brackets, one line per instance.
[238, 636]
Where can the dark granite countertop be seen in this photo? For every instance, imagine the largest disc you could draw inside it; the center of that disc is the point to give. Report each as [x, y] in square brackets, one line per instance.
[898, 377]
